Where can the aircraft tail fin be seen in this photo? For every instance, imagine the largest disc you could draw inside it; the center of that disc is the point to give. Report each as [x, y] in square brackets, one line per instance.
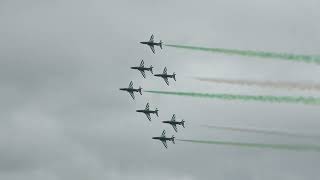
[140, 90]
[151, 67]
[173, 139]
[182, 123]
[160, 44]
[174, 76]
[156, 112]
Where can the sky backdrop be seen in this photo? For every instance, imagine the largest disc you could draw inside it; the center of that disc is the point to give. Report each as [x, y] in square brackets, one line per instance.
[62, 63]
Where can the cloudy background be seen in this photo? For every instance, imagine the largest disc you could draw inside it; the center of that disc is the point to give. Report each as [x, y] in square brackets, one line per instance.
[63, 117]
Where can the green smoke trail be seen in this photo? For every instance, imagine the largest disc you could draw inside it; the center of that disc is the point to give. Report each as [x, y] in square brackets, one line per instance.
[275, 99]
[266, 132]
[288, 85]
[292, 147]
[250, 53]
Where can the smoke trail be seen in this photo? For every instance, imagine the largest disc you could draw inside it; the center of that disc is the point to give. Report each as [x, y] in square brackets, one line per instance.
[250, 53]
[292, 147]
[288, 85]
[275, 99]
[259, 131]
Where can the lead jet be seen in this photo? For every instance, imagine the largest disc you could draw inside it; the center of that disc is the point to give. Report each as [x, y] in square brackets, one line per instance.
[147, 111]
[165, 76]
[174, 123]
[131, 90]
[164, 139]
[141, 68]
[151, 43]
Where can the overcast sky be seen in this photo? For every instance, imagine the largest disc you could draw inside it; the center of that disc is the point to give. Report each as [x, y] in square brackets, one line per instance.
[62, 63]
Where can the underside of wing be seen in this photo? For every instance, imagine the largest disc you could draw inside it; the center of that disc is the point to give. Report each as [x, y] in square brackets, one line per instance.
[148, 116]
[164, 143]
[142, 63]
[132, 94]
[143, 73]
[165, 70]
[163, 133]
[131, 84]
[175, 127]
[166, 80]
[152, 49]
[173, 118]
[151, 38]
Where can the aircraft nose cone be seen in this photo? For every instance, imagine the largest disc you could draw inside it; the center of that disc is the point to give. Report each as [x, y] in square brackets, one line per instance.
[153, 138]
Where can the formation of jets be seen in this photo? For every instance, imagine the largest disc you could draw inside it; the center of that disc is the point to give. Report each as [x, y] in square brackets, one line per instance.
[147, 111]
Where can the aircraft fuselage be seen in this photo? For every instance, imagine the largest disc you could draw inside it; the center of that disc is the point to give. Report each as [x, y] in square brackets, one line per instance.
[146, 111]
[173, 122]
[129, 89]
[163, 138]
[151, 43]
[164, 75]
[141, 68]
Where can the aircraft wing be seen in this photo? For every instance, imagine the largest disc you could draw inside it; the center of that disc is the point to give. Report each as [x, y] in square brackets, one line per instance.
[147, 106]
[173, 117]
[166, 80]
[148, 116]
[132, 94]
[165, 70]
[163, 133]
[143, 73]
[175, 127]
[152, 49]
[142, 63]
[151, 38]
[164, 143]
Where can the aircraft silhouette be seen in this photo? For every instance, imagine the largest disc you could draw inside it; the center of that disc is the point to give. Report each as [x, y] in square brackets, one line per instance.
[165, 76]
[147, 111]
[131, 90]
[174, 123]
[164, 139]
[142, 69]
[151, 43]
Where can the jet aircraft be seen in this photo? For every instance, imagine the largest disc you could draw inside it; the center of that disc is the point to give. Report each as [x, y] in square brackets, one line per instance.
[174, 123]
[165, 76]
[142, 69]
[131, 90]
[164, 139]
[147, 111]
[151, 43]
